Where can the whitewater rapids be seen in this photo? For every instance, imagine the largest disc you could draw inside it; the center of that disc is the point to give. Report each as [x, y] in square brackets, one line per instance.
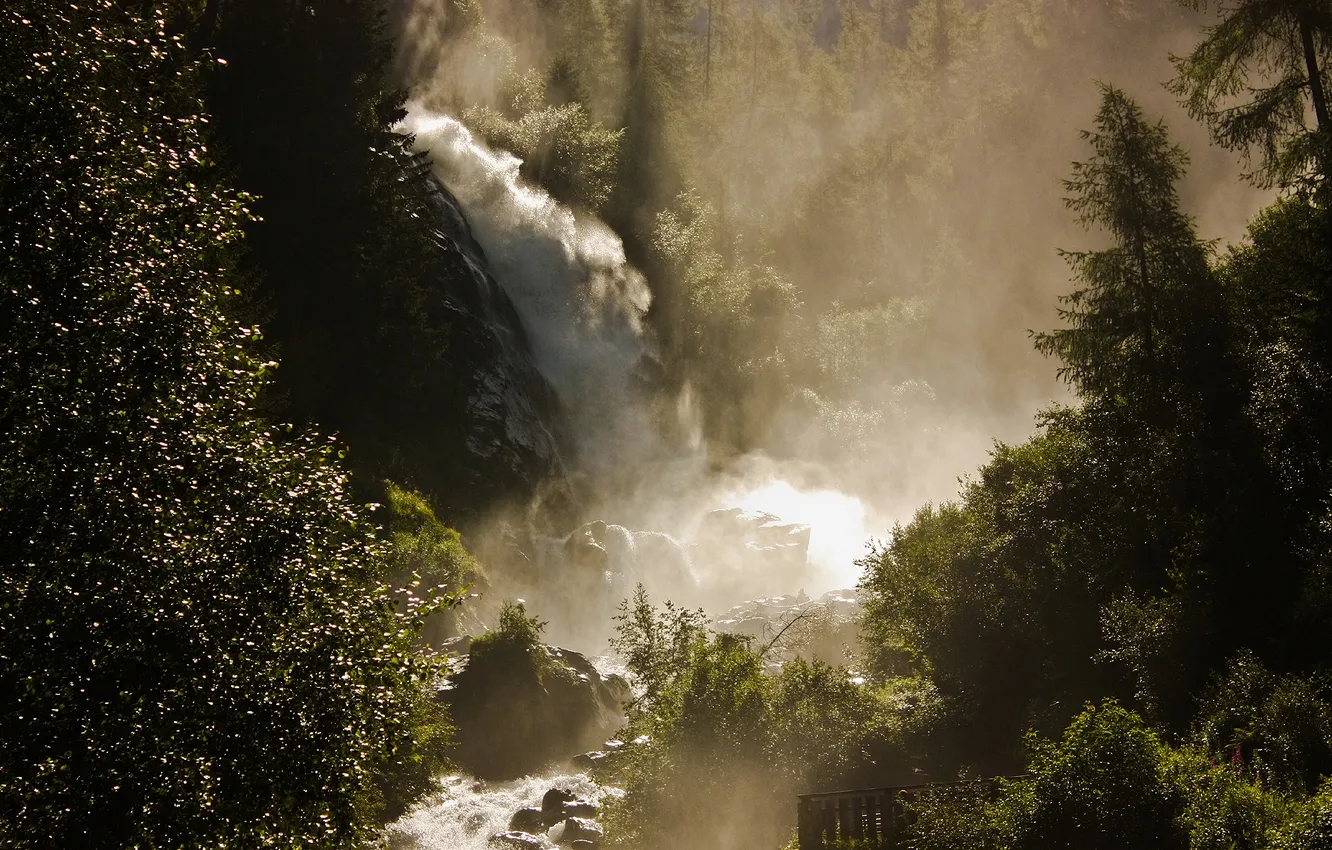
[466, 812]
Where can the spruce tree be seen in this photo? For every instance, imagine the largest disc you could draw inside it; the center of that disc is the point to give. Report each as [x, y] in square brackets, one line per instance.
[1144, 298]
[1254, 78]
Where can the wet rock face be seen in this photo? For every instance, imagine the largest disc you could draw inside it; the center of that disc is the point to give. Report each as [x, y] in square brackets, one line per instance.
[735, 543]
[508, 448]
[516, 714]
[820, 629]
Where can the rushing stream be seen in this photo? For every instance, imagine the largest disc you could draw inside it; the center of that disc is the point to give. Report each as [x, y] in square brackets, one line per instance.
[466, 812]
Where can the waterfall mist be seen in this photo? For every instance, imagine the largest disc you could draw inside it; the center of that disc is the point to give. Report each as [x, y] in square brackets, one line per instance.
[909, 354]
[632, 440]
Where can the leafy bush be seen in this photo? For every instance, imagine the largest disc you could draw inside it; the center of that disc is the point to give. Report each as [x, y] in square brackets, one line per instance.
[709, 757]
[1106, 784]
[996, 598]
[1278, 729]
[725, 738]
[424, 551]
[1110, 782]
[1309, 826]
[657, 646]
[196, 649]
[516, 639]
[562, 148]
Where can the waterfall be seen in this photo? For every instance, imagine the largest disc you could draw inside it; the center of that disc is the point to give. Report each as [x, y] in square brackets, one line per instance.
[580, 301]
[582, 307]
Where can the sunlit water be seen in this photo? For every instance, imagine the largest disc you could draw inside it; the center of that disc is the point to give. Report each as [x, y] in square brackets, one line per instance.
[466, 812]
[581, 302]
[838, 526]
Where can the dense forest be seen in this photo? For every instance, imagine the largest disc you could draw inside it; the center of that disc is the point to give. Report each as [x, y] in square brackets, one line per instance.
[279, 422]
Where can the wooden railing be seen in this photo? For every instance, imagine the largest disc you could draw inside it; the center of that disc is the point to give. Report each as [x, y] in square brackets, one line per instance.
[878, 816]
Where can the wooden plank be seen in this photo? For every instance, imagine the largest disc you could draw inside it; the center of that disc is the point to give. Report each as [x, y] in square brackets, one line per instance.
[873, 811]
[809, 832]
[830, 820]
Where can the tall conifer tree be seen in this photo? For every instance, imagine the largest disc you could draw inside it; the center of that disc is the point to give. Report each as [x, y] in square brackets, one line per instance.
[1255, 77]
[1128, 321]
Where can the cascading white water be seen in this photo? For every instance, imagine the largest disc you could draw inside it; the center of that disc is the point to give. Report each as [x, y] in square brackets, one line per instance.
[466, 812]
[580, 300]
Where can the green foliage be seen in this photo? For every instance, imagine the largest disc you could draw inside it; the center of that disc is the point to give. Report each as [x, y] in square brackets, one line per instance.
[709, 757]
[726, 738]
[953, 816]
[562, 148]
[1109, 782]
[426, 556]
[657, 646]
[423, 552]
[422, 546]
[996, 598]
[822, 723]
[1104, 785]
[1310, 825]
[195, 646]
[515, 642]
[1276, 728]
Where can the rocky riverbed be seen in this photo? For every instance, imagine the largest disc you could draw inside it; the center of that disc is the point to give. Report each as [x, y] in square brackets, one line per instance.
[540, 811]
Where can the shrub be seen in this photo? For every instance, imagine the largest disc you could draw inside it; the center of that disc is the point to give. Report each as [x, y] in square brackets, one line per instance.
[1278, 729]
[1310, 825]
[424, 551]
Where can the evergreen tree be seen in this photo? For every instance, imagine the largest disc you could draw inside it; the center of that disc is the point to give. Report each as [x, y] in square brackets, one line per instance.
[195, 648]
[1142, 296]
[1286, 44]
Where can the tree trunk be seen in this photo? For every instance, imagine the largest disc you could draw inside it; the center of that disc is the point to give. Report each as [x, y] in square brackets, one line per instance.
[1316, 91]
[1144, 283]
[707, 62]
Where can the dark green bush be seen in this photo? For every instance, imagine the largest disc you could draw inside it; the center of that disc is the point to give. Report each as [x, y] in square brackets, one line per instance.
[196, 647]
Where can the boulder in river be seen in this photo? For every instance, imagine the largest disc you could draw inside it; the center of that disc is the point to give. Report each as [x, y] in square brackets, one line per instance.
[514, 840]
[518, 710]
[582, 829]
[558, 805]
[528, 820]
[581, 809]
